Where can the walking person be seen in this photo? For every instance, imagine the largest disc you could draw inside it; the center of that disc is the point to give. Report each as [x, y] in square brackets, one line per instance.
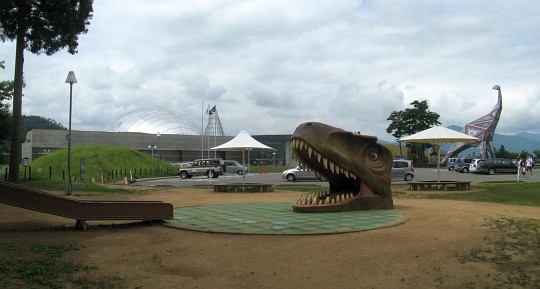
[529, 164]
[521, 167]
[519, 164]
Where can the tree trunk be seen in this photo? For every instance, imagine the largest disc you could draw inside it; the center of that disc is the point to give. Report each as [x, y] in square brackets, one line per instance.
[15, 157]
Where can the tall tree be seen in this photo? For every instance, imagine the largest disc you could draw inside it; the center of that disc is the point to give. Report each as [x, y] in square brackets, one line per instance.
[397, 127]
[411, 121]
[6, 94]
[40, 26]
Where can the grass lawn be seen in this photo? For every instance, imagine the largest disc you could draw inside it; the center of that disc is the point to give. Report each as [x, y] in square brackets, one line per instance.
[524, 194]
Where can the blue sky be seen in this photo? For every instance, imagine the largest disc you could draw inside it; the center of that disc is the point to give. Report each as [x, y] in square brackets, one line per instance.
[271, 65]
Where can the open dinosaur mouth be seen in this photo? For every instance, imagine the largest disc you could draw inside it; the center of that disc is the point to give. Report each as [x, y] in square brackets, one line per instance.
[345, 185]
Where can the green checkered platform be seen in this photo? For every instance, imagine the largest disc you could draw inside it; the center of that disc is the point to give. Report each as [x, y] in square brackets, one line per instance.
[279, 219]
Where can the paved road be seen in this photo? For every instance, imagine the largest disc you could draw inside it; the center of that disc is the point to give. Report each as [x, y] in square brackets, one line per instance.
[421, 174]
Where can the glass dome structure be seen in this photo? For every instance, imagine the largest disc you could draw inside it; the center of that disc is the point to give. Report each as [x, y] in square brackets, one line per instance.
[153, 120]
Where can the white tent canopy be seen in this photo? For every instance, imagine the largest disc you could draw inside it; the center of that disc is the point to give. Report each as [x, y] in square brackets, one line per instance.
[243, 141]
[438, 135]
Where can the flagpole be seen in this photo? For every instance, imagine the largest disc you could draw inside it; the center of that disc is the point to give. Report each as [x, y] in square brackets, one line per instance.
[208, 141]
[202, 130]
[215, 133]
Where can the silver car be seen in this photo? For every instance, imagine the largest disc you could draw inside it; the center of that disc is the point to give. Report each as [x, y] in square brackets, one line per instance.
[475, 164]
[451, 163]
[299, 173]
[403, 169]
[234, 167]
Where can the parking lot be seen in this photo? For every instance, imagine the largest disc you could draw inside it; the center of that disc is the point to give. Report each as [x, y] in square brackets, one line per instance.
[421, 174]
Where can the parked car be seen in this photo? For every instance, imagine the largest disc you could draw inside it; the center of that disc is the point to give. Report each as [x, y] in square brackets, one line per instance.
[462, 164]
[493, 166]
[473, 167]
[299, 173]
[450, 163]
[183, 164]
[232, 166]
[211, 168]
[403, 169]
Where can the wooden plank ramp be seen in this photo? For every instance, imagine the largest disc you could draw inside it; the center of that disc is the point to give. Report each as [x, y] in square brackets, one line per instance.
[83, 210]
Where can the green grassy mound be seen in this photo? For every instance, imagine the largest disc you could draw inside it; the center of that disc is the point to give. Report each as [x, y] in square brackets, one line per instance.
[109, 161]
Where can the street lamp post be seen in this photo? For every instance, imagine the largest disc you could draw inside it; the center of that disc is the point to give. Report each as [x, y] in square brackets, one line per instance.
[158, 153]
[152, 147]
[71, 79]
[274, 160]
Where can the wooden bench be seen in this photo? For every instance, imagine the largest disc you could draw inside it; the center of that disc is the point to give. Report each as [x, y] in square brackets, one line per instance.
[445, 185]
[247, 187]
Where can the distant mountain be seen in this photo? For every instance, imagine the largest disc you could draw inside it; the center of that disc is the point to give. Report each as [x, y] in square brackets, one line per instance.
[529, 135]
[512, 143]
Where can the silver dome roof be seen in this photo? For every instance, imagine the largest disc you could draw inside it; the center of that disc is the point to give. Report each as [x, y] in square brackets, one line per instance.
[153, 120]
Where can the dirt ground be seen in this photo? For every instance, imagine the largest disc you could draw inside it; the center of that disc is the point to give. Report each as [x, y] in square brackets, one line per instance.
[421, 253]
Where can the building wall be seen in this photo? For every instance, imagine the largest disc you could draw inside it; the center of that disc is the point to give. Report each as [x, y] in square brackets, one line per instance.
[173, 148]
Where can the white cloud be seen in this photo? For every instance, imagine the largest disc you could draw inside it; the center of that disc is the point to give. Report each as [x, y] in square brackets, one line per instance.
[271, 65]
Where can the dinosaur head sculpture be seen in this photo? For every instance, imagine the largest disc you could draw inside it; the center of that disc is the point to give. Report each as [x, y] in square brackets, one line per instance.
[357, 168]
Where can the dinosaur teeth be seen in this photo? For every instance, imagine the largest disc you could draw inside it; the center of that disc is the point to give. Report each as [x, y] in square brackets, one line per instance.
[307, 156]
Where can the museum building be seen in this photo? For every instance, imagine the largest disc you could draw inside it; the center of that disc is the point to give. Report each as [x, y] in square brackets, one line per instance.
[170, 147]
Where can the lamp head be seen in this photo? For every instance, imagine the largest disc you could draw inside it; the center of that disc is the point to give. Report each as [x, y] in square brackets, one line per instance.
[71, 78]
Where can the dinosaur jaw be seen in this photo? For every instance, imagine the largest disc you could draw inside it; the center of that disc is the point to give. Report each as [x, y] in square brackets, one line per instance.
[348, 191]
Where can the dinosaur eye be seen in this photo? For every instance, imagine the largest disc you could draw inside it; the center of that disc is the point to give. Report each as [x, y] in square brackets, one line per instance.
[373, 156]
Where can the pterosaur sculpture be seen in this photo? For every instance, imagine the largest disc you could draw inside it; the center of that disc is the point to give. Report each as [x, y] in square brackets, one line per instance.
[482, 128]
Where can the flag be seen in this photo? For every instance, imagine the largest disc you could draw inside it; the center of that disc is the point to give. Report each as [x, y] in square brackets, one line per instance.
[206, 110]
[212, 110]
